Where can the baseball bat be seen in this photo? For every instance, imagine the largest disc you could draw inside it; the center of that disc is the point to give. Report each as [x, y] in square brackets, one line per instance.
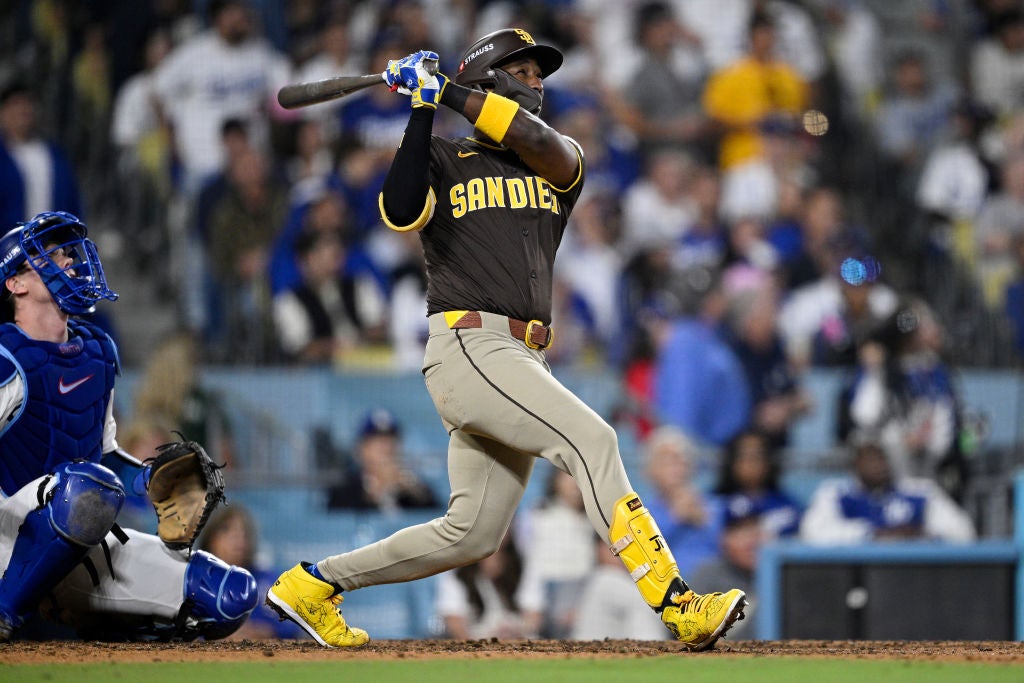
[304, 94]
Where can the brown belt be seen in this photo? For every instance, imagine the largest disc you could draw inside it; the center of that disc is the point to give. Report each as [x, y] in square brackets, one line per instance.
[534, 334]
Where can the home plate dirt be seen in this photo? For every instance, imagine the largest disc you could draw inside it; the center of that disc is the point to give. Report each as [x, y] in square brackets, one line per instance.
[37, 652]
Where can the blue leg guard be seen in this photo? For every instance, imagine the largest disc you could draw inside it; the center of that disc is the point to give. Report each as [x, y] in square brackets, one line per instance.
[80, 508]
[218, 597]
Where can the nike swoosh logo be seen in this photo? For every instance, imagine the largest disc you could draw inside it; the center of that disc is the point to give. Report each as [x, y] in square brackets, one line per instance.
[68, 388]
[463, 155]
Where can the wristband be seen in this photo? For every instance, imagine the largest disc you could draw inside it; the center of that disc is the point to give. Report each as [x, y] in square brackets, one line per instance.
[496, 116]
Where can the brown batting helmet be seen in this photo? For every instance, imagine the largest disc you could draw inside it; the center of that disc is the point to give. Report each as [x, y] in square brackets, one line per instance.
[480, 65]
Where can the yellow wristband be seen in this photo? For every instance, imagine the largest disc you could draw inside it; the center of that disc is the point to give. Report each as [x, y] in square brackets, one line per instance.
[496, 116]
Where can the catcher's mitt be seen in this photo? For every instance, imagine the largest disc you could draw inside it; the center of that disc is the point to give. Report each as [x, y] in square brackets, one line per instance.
[185, 486]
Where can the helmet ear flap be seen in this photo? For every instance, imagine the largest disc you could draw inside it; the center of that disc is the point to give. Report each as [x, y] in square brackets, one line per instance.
[508, 86]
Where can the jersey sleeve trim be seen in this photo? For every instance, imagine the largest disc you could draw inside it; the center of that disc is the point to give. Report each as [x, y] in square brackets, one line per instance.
[579, 172]
[421, 220]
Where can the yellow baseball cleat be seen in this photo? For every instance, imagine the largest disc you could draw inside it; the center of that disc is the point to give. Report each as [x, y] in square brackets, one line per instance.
[698, 621]
[311, 603]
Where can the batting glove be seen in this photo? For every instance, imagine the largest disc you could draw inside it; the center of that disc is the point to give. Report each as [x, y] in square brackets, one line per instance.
[429, 94]
[406, 74]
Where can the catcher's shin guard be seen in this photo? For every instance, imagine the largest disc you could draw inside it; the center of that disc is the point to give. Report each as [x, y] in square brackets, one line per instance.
[638, 542]
[218, 597]
[81, 504]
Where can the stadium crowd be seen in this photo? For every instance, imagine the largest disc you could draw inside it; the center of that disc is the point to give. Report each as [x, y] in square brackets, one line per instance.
[728, 238]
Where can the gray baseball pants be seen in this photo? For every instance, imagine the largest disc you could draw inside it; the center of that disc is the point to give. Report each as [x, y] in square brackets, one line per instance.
[502, 409]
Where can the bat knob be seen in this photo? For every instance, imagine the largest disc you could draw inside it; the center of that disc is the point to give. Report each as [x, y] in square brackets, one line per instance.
[430, 66]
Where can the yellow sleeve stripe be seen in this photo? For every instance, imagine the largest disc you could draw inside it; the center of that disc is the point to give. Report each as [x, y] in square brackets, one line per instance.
[421, 220]
[579, 168]
[496, 116]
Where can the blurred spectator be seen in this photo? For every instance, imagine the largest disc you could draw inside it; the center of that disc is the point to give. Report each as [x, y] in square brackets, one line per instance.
[797, 38]
[202, 307]
[310, 167]
[954, 184]
[608, 607]
[722, 28]
[905, 393]
[371, 129]
[222, 73]
[377, 478]
[705, 241]
[231, 535]
[748, 484]
[591, 267]
[92, 95]
[170, 392]
[661, 99]
[699, 384]
[823, 322]
[820, 226]
[741, 539]
[243, 226]
[853, 36]
[749, 250]
[35, 174]
[490, 599]
[143, 156]
[612, 159]
[776, 396]
[330, 310]
[955, 178]
[872, 503]
[688, 519]
[558, 551]
[334, 57]
[753, 93]
[1000, 219]
[657, 209]
[914, 112]
[997, 64]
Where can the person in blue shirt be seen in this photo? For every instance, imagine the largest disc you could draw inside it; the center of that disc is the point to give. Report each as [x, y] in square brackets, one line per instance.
[700, 385]
[63, 476]
[33, 171]
[873, 503]
[748, 485]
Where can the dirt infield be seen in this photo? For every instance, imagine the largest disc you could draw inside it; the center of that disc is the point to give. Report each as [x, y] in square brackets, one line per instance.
[33, 652]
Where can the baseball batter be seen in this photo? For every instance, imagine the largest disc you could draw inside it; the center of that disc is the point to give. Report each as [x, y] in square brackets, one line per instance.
[63, 477]
[491, 210]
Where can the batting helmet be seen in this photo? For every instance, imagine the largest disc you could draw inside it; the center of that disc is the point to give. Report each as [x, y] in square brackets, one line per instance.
[76, 286]
[480, 65]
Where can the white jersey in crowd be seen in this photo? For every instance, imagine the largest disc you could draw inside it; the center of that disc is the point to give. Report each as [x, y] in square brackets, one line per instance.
[824, 523]
[205, 82]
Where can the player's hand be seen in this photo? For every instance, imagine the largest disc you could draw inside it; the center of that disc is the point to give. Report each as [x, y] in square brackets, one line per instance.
[429, 94]
[406, 74]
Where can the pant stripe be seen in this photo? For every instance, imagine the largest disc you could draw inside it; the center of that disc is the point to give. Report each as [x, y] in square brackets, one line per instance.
[480, 372]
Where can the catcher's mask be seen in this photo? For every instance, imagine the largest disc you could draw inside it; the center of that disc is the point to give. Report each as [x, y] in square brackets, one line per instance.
[76, 281]
[480, 66]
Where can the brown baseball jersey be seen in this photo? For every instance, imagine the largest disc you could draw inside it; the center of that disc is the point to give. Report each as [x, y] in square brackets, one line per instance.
[496, 225]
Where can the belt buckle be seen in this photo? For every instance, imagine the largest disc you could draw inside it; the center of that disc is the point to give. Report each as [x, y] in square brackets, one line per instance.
[529, 336]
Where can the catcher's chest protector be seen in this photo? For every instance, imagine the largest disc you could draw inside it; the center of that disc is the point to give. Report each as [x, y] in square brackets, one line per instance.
[67, 390]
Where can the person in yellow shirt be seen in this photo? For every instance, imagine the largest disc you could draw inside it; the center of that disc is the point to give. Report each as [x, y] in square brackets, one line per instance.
[752, 91]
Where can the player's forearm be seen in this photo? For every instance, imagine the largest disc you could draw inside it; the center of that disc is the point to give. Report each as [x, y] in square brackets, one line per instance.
[540, 147]
[128, 468]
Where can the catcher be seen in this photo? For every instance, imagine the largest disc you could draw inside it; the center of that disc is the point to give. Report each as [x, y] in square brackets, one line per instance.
[64, 478]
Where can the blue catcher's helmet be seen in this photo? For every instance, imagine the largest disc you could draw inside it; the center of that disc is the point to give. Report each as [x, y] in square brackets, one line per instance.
[75, 287]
